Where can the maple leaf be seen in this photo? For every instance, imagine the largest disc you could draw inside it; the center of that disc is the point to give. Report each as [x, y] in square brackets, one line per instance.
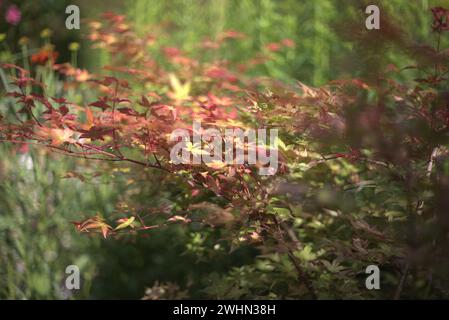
[107, 81]
[72, 174]
[216, 164]
[222, 101]
[102, 104]
[220, 73]
[24, 81]
[146, 103]
[14, 94]
[82, 75]
[56, 135]
[13, 66]
[97, 133]
[89, 119]
[180, 91]
[229, 123]
[125, 223]
[195, 149]
[59, 100]
[231, 34]
[64, 110]
[164, 110]
[179, 219]
[94, 224]
[128, 111]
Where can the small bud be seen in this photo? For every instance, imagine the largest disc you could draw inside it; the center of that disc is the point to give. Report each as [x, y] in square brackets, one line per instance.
[74, 46]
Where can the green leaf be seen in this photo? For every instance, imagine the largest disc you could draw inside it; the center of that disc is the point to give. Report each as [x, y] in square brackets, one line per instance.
[125, 224]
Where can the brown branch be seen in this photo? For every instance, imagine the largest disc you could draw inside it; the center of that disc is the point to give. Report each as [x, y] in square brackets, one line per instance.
[71, 153]
[302, 275]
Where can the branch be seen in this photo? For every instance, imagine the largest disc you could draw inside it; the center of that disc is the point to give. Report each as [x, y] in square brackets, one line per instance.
[68, 152]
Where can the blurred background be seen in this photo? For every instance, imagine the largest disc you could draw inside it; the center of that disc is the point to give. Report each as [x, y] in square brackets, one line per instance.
[38, 202]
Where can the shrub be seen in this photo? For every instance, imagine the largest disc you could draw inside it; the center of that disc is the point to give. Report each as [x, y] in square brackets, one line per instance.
[362, 174]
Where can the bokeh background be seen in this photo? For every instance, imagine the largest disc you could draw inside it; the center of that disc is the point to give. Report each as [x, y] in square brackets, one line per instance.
[37, 202]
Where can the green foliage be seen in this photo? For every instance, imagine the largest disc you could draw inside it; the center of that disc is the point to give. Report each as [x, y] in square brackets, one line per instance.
[37, 241]
[324, 48]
